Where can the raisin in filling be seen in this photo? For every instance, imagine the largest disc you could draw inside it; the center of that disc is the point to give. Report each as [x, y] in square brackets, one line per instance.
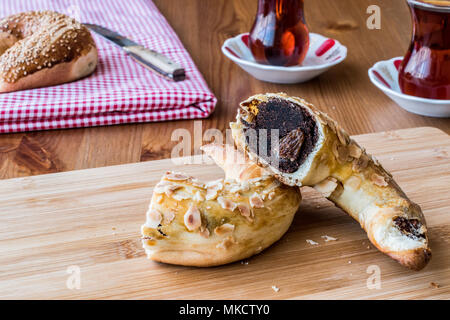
[409, 227]
[297, 134]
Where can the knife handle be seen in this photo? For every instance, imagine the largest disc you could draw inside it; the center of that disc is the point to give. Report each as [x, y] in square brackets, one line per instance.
[156, 62]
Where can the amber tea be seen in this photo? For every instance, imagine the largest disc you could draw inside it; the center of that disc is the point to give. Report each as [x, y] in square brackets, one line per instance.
[279, 35]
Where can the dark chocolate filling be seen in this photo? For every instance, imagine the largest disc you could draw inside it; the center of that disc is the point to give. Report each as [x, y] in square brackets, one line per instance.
[297, 134]
[409, 227]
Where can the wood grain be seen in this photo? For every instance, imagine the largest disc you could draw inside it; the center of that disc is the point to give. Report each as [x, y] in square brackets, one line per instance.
[91, 219]
[344, 92]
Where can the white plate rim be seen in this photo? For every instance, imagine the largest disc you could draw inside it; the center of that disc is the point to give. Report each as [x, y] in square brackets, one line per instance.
[401, 95]
[285, 69]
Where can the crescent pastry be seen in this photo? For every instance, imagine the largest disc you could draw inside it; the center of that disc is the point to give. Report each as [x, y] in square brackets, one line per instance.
[302, 146]
[208, 224]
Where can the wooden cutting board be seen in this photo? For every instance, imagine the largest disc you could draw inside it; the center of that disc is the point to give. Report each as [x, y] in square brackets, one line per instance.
[89, 221]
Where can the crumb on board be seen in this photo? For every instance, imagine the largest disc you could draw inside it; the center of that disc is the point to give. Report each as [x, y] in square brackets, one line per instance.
[113, 228]
[349, 261]
[434, 285]
[311, 242]
[275, 288]
[328, 238]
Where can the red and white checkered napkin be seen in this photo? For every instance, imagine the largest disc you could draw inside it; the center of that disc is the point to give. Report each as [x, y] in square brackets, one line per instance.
[120, 90]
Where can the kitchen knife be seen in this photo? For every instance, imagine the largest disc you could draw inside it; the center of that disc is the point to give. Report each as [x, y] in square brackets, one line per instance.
[150, 59]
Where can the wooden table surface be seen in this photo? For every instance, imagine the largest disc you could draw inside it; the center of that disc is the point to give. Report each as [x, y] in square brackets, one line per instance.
[344, 92]
[92, 225]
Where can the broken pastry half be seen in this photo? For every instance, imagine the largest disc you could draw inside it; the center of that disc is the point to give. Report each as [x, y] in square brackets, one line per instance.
[192, 223]
[304, 147]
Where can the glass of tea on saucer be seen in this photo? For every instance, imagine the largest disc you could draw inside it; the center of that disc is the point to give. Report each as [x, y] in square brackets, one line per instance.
[425, 69]
[279, 35]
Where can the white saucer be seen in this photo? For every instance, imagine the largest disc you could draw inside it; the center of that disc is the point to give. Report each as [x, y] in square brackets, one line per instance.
[323, 53]
[384, 74]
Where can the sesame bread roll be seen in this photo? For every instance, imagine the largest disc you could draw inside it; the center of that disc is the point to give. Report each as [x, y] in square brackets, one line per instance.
[43, 48]
[195, 224]
[302, 146]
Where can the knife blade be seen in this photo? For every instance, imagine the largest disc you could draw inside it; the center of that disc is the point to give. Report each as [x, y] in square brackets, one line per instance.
[148, 58]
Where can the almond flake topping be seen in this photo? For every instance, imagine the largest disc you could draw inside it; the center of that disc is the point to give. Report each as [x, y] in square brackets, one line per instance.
[245, 186]
[342, 136]
[361, 163]
[168, 217]
[161, 186]
[340, 152]
[212, 189]
[224, 230]
[375, 160]
[192, 218]
[378, 180]
[354, 150]
[330, 122]
[343, 154]
[211, 194]
[236, 188]
[216, 184]
[166, 187]
[245, 211]
[154, 218]
[227, 204]
[256, 201]
[181, 195]
[170, 189]
[198, 197]
[197, 183]
[176, 176]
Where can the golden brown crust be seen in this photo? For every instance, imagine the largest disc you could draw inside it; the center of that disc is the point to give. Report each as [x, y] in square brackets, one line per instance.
[415, 259]
[61, 73]
[38, 41]
[356, 182]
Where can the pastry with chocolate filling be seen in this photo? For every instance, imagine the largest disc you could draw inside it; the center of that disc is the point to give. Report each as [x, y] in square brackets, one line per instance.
[302, 146]
[208, 224]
